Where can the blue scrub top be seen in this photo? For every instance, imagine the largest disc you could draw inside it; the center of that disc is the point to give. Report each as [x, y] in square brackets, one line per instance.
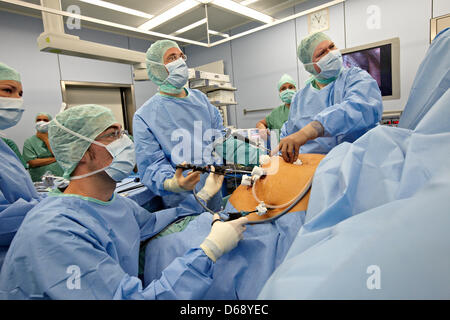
[17, 194]
[74, 247]
[187, 126]
[347, 108]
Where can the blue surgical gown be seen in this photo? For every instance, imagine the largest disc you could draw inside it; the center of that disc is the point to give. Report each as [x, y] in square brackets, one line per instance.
[17, 195]
[73, 247]
[240, 273]
[432, 80]
[347, 108]
[186, 126]
[378, 219]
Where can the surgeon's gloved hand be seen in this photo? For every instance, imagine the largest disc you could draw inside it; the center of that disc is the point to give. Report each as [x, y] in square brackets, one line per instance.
[180, 183]
[290, 145]
[212, 185]
[224, 237]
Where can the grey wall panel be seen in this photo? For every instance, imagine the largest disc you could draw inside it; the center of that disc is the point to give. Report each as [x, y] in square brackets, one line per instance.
[406, 19]
[143, 90]
[39, 71]
[440, 8]
[259, 61]
[82, 69]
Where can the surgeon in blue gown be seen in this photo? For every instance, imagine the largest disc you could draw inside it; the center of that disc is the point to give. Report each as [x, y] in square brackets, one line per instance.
[378, 216]
[17, 192]
[83, 243]
[337, 104]
[176, 125]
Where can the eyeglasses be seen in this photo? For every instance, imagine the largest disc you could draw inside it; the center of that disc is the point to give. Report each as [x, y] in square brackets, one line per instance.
[116, 134]
[173, 57]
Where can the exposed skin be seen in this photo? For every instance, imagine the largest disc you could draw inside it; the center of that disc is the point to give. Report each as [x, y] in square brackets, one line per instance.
[290, 145]
[44, 137]
[10, 89]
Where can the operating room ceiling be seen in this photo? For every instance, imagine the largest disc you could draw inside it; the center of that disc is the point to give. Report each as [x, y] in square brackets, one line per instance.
[219, 23]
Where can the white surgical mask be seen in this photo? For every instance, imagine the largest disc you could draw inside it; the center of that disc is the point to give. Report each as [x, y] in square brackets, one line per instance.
[11, 110]
[42, 126]
[330, 65]
[178, 75]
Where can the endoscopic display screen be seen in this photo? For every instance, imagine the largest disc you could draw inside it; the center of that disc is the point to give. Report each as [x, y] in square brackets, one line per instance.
[377, 62]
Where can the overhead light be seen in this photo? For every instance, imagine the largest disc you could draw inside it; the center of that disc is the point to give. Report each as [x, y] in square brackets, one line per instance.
[170, 14]
[224, 35]
[190, 27]
[116, 7]
[247, 2]
[243, 10]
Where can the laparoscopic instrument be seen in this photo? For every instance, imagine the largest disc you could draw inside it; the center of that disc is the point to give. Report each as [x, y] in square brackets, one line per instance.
[228, 216]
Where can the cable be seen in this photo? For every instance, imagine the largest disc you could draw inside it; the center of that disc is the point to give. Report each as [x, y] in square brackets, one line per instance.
[300, 197]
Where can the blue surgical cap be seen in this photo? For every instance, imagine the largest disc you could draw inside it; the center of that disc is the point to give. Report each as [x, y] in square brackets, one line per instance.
[8, 73]
[157, 72]
[87, 120]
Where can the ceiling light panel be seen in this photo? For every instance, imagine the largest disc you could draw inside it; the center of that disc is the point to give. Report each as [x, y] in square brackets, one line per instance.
[170, 14]
[190, 27]
[243, 10]
[119, 8]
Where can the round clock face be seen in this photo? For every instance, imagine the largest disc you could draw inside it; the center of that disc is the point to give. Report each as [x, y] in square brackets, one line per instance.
[318, 21]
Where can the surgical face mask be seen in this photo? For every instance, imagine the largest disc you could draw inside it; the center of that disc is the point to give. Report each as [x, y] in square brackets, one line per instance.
[124, 159]
[42, 126]
[178, 73]
[11, 110]
[330, 65]
[286, 95]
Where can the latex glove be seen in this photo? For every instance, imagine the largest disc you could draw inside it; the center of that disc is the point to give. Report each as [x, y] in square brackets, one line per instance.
[212, 185]
[179, 183]
[224, 237]
[290, 145]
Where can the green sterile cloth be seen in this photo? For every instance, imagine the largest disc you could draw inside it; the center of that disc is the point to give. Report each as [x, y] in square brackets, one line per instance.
[35, 148]
[239, 152]
[16, 150]
[277, 117]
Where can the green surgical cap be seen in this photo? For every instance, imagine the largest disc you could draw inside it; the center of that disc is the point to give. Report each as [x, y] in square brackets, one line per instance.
[156, 72]
[8, 73]
[285, 78]
[44, 114]
[87, 120]
[306, 49]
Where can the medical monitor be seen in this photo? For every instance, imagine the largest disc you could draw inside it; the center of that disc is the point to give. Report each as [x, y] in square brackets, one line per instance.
[382, 61]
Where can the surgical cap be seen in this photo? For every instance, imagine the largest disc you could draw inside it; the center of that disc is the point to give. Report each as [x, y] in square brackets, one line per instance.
[44, 114]
[156, 72]
[306, 49]
[285, 78]
[87, 120]
[8, 73]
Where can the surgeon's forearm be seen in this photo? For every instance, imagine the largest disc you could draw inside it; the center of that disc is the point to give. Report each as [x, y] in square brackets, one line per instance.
[313, 130]
[262, 124]
[41, 162]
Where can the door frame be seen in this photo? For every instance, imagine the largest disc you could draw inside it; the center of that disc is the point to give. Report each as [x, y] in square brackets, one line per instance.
[126, 93]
